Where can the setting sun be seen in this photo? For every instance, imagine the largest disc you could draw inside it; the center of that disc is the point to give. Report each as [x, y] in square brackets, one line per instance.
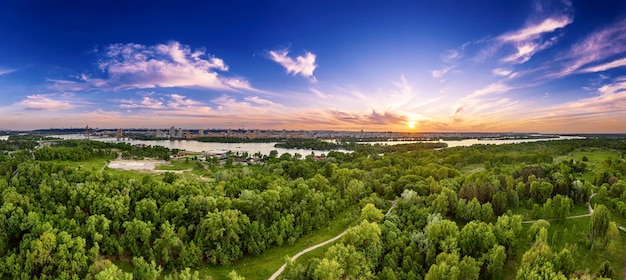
[411, 125]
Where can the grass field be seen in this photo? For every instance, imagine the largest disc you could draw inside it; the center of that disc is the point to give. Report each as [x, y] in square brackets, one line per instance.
[177, 164]
[93, 164]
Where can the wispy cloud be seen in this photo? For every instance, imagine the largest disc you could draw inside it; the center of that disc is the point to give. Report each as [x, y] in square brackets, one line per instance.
[494, 88]
[302, 65]
[484, 100]
[6, 71]
[596, 47]
[373, 118]
[606, 66]
[441, 72]
[320, 94]
[46, 102]
[534, 31]
[528, 40]
[502, 71]
[602, 112]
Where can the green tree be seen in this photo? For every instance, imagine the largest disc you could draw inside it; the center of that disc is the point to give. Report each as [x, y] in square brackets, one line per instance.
[561, 207]
[144, 270]
[507, 230]
[476, 238]
[328, 269]
[606, 271]
[541, 191]
[495, 260]
[448, 266]
[371, 213]
[599, 224]
[233, 275]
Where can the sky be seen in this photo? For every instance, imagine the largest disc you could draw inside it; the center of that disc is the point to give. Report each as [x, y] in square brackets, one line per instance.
[421, 66]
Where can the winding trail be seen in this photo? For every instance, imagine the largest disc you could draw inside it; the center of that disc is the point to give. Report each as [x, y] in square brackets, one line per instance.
[573, 217]
[282, 268]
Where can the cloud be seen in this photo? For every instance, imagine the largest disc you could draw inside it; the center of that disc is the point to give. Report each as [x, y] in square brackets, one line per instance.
[601, 113]
[440, 73]
[451, 56]
[251, 105]
[610, 100]
[494, 88]
[484, 99]
[163, 65]
[598, 46]
[606, 66]
[6, 71]
[528, 41]
[177, 101]
[45, 102]
[502, 71]
[302, 65]
[321, 94]
[534, 31]
[145, 103]
[166, 104]
[260, 101]
[373, 118]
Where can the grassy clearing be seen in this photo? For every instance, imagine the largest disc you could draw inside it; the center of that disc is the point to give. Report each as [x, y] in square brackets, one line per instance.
[571, 234]
[92, 164]
[471, 168]
[594, 155]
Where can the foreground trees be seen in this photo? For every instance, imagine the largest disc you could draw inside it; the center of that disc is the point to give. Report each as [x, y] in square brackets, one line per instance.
[58, 220]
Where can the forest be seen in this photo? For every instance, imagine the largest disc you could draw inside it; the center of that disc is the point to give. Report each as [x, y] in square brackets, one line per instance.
[515, 211]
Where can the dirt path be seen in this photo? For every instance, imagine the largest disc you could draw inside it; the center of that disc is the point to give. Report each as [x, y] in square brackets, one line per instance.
[574, 217]
[280, 270]
[393, 205]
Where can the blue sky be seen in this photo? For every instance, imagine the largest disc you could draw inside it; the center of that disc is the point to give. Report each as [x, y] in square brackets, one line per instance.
[542, 66]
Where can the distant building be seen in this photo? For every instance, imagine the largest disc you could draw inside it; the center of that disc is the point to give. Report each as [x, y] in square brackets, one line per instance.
[179, 133]
[172, 132]
[201, 132]
[160, 134]
[118, 134]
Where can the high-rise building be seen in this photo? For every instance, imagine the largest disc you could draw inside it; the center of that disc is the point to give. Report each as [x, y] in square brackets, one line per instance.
[201, 132]
[179, 133]
[172, 132]
[118, 134]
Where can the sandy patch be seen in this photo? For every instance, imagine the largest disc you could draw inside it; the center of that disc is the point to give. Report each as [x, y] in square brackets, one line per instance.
[135, 164]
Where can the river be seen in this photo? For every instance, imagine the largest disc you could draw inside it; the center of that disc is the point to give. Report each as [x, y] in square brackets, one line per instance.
[469, 142]
[266, 148]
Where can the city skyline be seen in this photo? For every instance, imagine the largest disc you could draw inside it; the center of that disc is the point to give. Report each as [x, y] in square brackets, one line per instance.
[406, 66]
